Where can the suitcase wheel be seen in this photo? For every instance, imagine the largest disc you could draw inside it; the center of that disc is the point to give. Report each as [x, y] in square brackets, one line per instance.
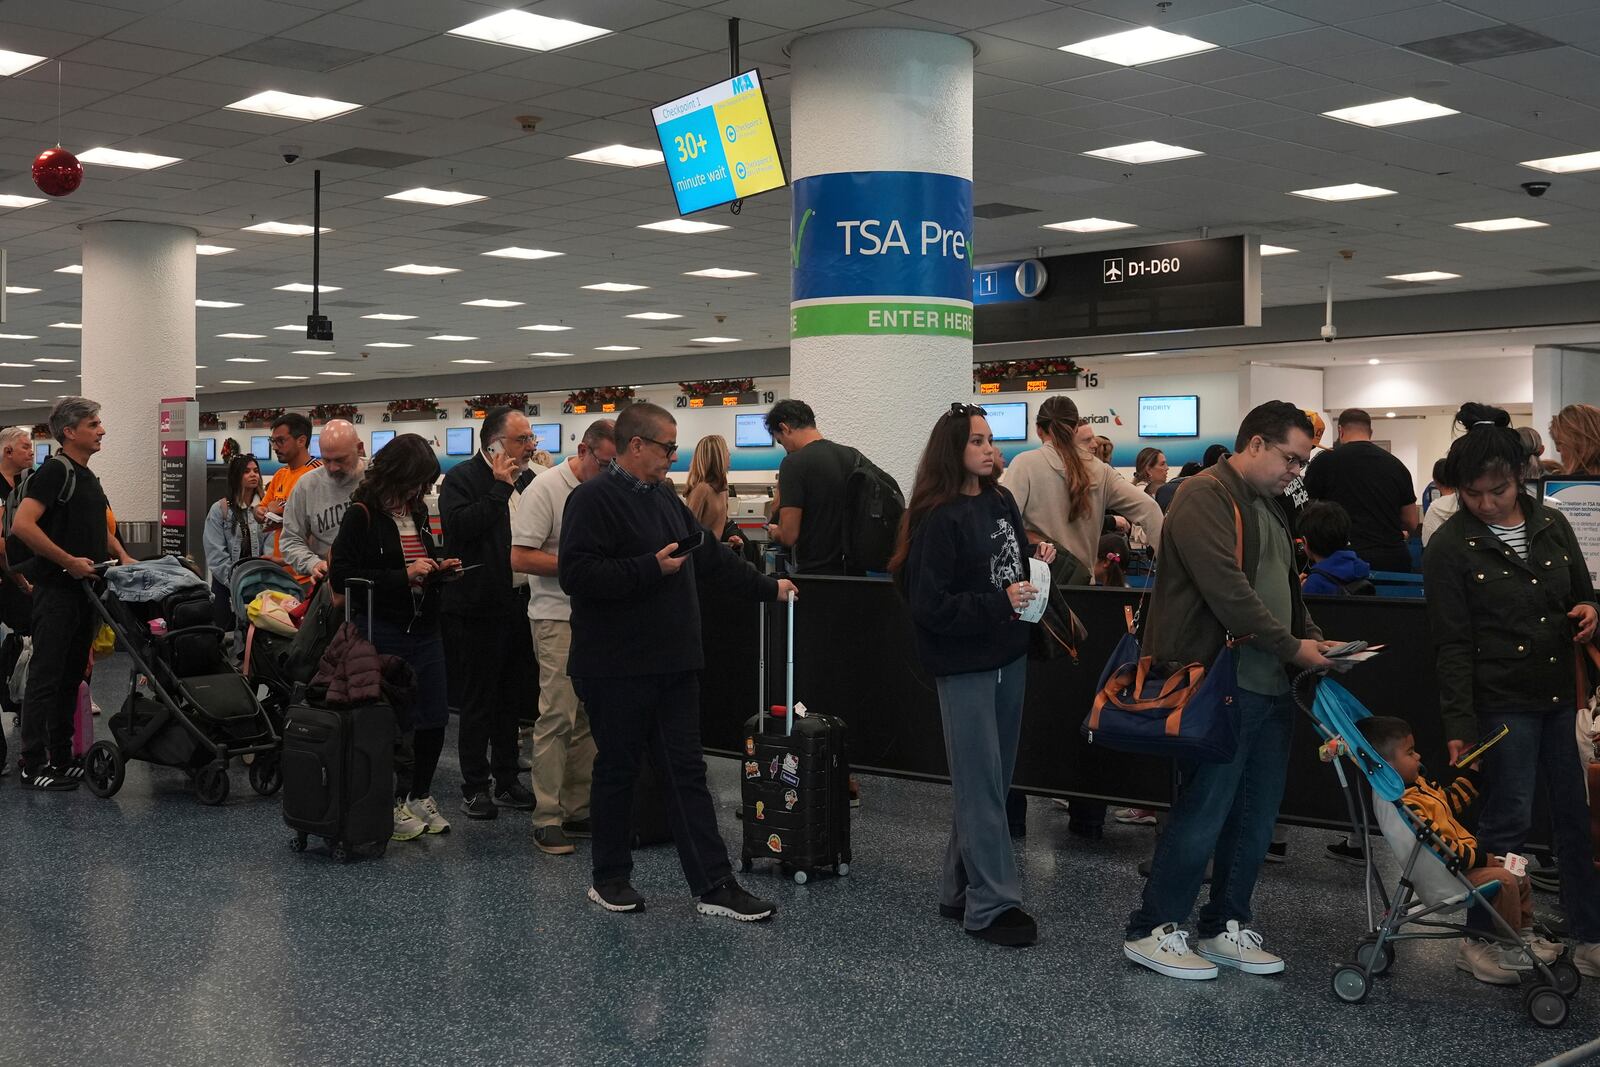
[800, 877]
[340, 853]
[297, 843]
[842, 870]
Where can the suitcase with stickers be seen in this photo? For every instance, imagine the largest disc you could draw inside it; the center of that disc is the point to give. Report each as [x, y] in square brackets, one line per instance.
[796, 781]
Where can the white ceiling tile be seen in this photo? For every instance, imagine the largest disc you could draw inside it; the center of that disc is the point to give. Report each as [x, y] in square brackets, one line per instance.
[1239, 24]
[968, 15]
[1419, 23]
[125, 56]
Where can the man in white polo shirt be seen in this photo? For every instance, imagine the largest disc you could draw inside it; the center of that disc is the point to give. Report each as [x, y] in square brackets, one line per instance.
[563, 751]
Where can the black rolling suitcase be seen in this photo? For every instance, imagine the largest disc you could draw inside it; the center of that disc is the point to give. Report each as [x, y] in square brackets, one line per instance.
[338, 773]
[796, 775]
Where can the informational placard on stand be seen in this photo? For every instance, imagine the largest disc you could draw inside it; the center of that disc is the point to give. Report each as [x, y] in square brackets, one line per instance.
[1579, 500]
[183, 474]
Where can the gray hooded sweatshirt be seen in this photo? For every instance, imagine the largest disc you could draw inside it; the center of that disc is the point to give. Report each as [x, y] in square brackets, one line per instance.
[311, 517]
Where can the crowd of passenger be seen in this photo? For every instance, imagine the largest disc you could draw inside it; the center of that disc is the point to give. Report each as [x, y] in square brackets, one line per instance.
[588, 570]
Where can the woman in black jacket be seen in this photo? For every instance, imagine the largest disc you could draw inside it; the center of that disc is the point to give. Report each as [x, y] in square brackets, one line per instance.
[1509, 599]
[962, 559]
[384, 538]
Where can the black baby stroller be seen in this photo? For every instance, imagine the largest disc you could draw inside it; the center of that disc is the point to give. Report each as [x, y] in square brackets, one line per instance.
[187, 706]
[277, 665]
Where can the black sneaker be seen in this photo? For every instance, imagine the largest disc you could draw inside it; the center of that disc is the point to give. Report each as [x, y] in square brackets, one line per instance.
[1345, 852]
[616, 896]
[1278, 852]
[516, 796]
[1013, 928]
[578, 828]
[952, 911]
[49, 779]
[552, 842]
[731, 900]
[72, 769]
[479, 806]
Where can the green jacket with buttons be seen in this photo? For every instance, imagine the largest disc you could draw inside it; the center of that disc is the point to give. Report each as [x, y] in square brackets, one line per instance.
[1501, 635]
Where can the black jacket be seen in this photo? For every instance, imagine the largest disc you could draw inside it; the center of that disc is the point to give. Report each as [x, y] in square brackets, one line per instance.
[368, 547]
[474, 509]
[1501, 635]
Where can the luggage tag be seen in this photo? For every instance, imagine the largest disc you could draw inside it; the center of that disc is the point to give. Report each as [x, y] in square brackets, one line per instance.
[1517, 865]
[799, 710]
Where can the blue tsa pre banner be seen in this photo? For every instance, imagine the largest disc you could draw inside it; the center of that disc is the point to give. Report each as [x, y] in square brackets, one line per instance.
[882, 252]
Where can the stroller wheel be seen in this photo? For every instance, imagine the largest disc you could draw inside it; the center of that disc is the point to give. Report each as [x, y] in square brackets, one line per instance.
[1545, 1006]
[1378, 963]
[1350, 983]
[103, 768]
[211, 784]
[1567, 977]
[266, 776]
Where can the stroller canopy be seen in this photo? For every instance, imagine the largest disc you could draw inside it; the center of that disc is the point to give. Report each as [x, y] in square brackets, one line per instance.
[252, 577]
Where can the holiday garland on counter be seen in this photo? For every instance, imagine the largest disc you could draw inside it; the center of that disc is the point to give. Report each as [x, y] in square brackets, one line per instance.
[1002, 370]
[603, 394]
[210, 420]
[230, 448]
[418, 405]
[326, 412]
[266, 415]
[717, 387]
[489, 401]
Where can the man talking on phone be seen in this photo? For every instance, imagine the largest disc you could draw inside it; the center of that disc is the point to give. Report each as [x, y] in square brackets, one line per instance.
[483, 615]
[636, 657]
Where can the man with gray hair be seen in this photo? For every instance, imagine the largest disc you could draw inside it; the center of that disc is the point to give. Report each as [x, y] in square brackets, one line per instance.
[16, 609]
[318, 501]
[62, 522]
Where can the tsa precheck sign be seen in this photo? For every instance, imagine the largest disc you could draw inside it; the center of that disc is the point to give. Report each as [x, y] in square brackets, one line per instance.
[718, 144]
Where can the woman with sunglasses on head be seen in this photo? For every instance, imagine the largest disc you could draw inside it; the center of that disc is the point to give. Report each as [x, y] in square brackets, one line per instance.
[962, 561]
[233, 532]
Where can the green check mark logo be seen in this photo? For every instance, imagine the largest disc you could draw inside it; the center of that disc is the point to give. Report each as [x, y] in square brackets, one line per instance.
[799, 234]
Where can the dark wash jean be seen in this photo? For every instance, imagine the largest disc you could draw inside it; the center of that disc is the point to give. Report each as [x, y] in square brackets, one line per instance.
[1225, 811]
[1543, 745]
[64, 625]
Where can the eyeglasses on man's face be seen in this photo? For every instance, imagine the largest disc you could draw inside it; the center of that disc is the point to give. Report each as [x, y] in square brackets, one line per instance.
[669, 447]
[1290, 460]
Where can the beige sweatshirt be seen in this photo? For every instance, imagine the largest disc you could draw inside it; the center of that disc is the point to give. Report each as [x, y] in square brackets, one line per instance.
[1039, 482]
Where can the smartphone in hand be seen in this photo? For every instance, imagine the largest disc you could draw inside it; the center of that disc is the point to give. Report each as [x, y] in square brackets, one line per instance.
[689, 544]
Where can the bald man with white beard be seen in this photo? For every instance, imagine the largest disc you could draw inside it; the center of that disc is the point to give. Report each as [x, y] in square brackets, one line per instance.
[318, 502]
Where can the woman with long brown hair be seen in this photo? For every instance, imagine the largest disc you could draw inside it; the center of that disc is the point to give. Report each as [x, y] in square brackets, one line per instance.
[1150, 470]
[961, 559]
[706, 493]
[1576, 433]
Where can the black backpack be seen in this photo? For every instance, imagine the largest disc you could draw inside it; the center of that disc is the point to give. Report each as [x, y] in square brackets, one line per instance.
[17, 551]
[873, 505]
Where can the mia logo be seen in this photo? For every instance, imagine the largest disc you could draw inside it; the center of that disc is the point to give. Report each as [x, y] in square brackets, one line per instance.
[743, 84]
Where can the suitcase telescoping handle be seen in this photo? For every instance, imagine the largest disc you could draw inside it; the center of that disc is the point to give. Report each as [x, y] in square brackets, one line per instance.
[355, 583]
[788, 681]
[788, 673]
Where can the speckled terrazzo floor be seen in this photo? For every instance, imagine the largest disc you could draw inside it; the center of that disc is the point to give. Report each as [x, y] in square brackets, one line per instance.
[151, 930]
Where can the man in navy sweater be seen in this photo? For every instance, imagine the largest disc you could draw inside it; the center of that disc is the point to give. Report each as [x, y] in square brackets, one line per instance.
[636, 658]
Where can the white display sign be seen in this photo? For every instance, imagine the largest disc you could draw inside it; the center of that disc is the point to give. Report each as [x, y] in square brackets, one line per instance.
[1580, 503]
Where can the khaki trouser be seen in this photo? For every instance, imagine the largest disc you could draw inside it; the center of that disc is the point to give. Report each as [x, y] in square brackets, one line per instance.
[563, 750]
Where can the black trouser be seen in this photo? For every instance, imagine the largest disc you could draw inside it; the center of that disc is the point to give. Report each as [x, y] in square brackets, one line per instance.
[64, 625]
[485, 650]
[654, 715]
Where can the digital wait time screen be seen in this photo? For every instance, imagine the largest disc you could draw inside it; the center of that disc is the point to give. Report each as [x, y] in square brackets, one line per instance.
[719, 144]
[1169, 416]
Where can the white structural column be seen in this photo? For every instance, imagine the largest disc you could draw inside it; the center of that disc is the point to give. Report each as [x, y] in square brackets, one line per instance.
[881, 161]
[138, 349]
[1562, 375]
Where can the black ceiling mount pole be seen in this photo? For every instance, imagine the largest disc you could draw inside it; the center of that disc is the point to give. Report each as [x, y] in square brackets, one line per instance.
[733, 72]
[317, 327]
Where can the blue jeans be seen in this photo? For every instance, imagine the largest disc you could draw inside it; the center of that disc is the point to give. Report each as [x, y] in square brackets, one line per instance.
[1223, 811]
[1542, 744]
[982, 714]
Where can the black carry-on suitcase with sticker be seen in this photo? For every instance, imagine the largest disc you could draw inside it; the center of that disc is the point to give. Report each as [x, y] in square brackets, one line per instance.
[338, 771]
[796, 781]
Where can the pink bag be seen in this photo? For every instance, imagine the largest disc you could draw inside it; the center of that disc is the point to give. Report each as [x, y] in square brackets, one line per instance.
[82, 722]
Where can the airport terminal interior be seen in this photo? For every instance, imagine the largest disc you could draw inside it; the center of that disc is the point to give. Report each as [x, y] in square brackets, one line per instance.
[403, 219]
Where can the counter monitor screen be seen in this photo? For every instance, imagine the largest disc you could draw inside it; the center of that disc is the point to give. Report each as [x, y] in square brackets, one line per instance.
[261, 447]
[1008, 422]
[719, 145]
[381, 438]
[316, 446]
[458, 441]
[547, 435]
[750, 431]
[211, 450]
[1169, 416]
[41, 452]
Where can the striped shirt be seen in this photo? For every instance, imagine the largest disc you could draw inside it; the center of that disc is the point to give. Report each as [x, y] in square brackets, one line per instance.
[410, 540]
[1514, 537]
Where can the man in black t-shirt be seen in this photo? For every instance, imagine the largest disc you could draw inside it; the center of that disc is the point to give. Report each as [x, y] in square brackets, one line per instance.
[1374, 487]
[62, 519]
[810, 513]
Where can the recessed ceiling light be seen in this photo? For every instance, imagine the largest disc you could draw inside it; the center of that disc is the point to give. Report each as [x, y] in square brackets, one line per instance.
[1374, 362]
[310, 352]
[715, 340]
[292, 106]
[617, 348]
[1277, 250]
[303, 287]
[545, 327]
[293, 326]
[683, 226]
[1496, 225]
[435, 197]
[18, 337]
[67, 325]
[421, 268]
[212, 250]
[1089, 225]
[524, 29]
[1578, 161]
[234, 381]
[217, 304]
[620, 155]
[45, 359]
[389, 316]
[388, 344]
[473, 361]
[21, 290]
[485, 302]
[17, 62]
[1423, 276]
[199, 366]
[291, 377]
[615, 287]
[15, 385]
[33, 400]
[1143, 45]
[1390, 112]
[1352, 191]
[76, 268]
[719, 272]
[451, 337]
[24, 366]
[654, 316]
[245, 359]
[1388, 414]
[115, 157]
[550, 355]
[522, 253]
[1144, 152]
[49, 381]
[10, 200]
[285, 229]
[243, 336]
[335, 373]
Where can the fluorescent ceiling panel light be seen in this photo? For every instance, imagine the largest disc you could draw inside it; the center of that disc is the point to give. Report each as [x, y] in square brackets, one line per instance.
[524, 29]
[616, 287]
[245, 359]
[1423, 276]
[476, 362]
[292, 106]
[243, 336]
[1388, 414]
[617, 348]
[683, 226]
[21, 290]
[654, 316]
[435, 197]
[1374, 362]
[545, 327]
[389, 316]
[388, 344]
[522, 253]
[18, 385]
[1143, 45]
[451, 337]
[235, 381]
[486, 302]
[67, 325]
[1089, 225]
[199, 366]
[1497, 225]
[217, 304]
[49, 381]
[33, 400]
[303, 287]
[310, 352]
[115, 157]
[1277, 250]
[1352, 191]
[719, 272]
[76, 268]
[1390, 112]
[43, 359]
[285, 229]
[293, 326]
[23, 366]
[716, 340]
[1566, 164]
[18, 337]
[11, 200]
[291, 377]
[1144, 152]
[421, 268]
[335, 373]
[550, 355]
[17, 62]
[212, 250]
[620, 155]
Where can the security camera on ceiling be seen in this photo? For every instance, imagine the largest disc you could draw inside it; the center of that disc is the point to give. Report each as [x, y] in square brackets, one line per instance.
[1536, 189]
[291, 152]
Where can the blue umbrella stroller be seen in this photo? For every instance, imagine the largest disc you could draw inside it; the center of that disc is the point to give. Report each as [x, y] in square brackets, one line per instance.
[264, 652]
[1431, 884]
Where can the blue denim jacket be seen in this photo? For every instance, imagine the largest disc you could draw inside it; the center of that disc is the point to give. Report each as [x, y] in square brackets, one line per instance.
[152, 580]
[222, 540]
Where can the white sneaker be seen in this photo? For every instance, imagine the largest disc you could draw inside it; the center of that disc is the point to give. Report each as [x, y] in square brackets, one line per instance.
[427, 810]
[1240, 947]
[1587, 959]
[1166, 951]
[1482, 960]
[1548, 951]
[406, 825]
[1134, 816]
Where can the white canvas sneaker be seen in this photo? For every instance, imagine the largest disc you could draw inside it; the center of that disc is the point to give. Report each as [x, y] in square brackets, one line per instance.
[427, 810]
[1166, 951]
[1240, 947]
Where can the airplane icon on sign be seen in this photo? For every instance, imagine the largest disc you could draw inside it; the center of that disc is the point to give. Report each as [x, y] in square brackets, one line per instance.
[1112, 271]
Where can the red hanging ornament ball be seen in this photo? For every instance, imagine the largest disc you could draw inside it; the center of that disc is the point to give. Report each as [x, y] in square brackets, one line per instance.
[57, 171]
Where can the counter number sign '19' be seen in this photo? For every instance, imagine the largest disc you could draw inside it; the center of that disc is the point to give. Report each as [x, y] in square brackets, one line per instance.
[718, 144]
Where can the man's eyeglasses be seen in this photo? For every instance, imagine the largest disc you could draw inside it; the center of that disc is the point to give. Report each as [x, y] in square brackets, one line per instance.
[525, 439]
[1292, 461]
[670, 448]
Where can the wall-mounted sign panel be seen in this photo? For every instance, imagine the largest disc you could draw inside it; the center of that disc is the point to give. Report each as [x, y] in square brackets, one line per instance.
[719, 144]
[1183, 285]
